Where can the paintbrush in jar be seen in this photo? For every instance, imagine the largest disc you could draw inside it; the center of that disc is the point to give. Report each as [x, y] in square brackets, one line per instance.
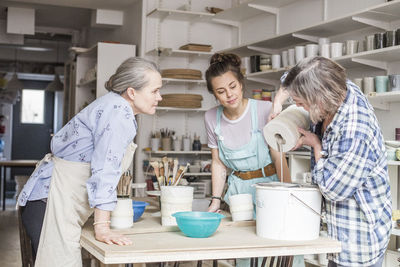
[155, 166]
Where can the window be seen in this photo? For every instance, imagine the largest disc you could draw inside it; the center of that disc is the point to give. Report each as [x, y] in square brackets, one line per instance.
[32, 103]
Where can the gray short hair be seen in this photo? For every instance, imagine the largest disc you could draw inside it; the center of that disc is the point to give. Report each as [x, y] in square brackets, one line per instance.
[131, 73]
[320, 82]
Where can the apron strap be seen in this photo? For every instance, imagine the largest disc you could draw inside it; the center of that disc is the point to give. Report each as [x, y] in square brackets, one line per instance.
[254, 115]
[217, 130]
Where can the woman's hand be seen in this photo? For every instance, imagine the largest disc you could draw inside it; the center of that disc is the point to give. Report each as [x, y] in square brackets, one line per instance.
[276, 109]
[308, 139]
[215, 205]
[104, 234]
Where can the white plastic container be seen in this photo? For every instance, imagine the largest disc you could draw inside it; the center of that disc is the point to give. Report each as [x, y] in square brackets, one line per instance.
[241, 207]
[122, 215]
[285, 126]
[288, 211]
[175, 199]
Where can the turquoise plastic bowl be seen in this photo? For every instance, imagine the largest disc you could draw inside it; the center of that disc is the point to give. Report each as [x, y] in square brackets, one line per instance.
[138, 209]
[198, 224]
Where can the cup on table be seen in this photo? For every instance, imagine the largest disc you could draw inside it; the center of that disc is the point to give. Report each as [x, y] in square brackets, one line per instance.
[299, 53]
[325, 50]
[359, 82]
[368, 85]
[311, 50]
[276, 61]
[370, 42]
[291, 57]
[380, 40]
[394, 82]
[351, 47]
[336, 49]
[285, 59]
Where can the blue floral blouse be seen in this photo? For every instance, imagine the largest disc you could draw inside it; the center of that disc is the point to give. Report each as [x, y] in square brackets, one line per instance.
[98, 135]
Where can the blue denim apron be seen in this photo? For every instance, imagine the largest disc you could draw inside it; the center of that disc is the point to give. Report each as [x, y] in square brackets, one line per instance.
[250, 157]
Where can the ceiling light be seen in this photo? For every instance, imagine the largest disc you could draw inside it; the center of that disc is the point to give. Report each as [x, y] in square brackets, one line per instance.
[36, 49]
[55, 85]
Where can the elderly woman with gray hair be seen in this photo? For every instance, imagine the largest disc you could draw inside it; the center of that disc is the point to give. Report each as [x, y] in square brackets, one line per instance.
[348, 159]
[80, 176]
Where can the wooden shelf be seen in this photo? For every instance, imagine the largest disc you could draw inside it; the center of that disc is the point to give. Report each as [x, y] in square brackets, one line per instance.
[162, 13]
[170, 109]
[201, 152]
[250, 9]
[170, 80]
[178, 52]
[271, 77]
[394, 163]
[359, 20]
[382, 100]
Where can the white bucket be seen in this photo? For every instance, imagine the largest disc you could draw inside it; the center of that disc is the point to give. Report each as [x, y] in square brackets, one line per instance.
[174, 199]
[122, 215]
[241, 207]
[288, 211]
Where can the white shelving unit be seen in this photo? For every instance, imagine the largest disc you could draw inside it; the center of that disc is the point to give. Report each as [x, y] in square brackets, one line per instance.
[383, 100]
[177, 52]
[162, 13]
[105, 57]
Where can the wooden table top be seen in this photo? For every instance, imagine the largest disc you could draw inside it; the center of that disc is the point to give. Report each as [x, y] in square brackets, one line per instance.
[19, 163]
[231, 240]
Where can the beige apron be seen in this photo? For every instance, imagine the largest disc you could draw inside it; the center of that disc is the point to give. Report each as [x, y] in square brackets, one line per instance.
[67, 211]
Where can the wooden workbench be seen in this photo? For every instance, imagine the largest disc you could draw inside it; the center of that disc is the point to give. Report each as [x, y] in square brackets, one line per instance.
[230, 241]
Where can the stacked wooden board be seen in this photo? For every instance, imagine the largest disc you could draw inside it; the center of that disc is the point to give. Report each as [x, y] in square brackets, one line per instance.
[181, 101]
[190, 74]
[196, 47]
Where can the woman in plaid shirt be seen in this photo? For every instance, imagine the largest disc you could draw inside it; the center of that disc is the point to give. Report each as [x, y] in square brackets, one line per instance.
[348, 159]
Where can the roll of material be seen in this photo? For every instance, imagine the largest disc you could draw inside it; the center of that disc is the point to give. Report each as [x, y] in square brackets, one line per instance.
[285, 125]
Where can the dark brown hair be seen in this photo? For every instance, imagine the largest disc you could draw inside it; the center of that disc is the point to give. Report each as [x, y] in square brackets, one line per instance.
[221, 64]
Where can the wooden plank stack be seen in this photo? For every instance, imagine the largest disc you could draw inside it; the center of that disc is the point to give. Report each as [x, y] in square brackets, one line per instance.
[189, 74]
[181, 101]
[196, 47]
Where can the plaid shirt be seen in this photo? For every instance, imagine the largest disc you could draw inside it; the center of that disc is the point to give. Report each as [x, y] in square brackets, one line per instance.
[353, 178]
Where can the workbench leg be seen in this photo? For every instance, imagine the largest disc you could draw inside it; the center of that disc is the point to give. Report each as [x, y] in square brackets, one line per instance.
[215, 263]
[199, 263]
[3, 187]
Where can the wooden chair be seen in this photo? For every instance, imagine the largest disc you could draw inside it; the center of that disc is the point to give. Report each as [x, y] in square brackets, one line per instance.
[25, 243]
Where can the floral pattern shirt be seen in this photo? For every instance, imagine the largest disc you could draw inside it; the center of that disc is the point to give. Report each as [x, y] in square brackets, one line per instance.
[99, 135]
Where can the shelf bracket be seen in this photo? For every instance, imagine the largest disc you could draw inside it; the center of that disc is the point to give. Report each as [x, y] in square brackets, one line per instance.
[370, 62]
[267, 9]
[275, 83]
[227, 22]
[373, 22]
[263, 49]
[379, 104]
[306, 37]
